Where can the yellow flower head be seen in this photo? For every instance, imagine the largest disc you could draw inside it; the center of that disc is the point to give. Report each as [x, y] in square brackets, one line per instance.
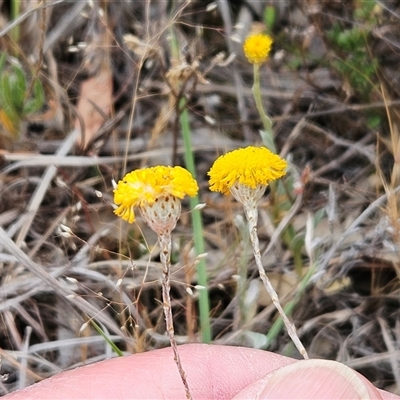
[251, 166]
[144, 187]
[257, 47]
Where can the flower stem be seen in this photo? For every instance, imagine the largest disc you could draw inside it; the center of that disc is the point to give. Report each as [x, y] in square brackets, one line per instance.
[267, 123]
[164, 241]
[252, 216]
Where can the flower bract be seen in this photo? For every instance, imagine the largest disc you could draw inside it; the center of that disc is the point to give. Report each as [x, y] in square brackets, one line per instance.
[250, 166]
[257, 48]
[144, 187]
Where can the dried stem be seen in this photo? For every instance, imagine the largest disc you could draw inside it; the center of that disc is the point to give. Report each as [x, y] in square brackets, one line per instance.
[164, 241]
[252, 216]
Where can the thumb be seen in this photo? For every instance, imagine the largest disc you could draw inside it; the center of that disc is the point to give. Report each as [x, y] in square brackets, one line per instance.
[311, 379]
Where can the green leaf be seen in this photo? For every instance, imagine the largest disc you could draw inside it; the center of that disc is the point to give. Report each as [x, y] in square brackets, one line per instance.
[269, 17]
[7, 98]
[18, 87]
[2, 62]
[34, 104]
[373, 121]
[268, 140]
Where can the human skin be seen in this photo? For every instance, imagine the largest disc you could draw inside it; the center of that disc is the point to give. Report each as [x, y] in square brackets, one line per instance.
[213, 372]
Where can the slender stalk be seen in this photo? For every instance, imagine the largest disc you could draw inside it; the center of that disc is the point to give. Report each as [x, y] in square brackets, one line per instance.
[164, 241]
[267, 123]
[204, 306]
[252, 216]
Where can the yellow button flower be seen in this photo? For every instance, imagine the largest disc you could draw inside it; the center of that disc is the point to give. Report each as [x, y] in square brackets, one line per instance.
[155, 191]
[250, 166]
[257, 48]
[246, 173]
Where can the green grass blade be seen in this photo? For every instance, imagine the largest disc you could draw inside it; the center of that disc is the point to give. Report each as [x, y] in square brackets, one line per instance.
[204, 306]
[107, 339]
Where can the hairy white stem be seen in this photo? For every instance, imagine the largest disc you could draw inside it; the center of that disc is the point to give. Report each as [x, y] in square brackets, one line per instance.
[252, 216]
[164, 241]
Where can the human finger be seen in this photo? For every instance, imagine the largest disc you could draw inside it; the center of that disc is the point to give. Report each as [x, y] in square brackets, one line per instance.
[213, 372]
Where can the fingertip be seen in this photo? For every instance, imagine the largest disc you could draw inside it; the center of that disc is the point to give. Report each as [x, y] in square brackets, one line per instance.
[312, 379]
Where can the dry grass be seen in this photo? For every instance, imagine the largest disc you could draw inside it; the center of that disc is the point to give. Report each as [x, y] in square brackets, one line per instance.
[66, 260]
